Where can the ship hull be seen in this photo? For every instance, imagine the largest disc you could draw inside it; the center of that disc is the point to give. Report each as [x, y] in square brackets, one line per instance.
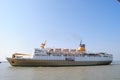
[37, 63]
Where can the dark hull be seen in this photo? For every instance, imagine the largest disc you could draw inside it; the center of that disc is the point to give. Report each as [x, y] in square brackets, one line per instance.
[31, 62]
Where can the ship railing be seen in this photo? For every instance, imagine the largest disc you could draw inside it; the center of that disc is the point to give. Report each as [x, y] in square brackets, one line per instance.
[64, 51]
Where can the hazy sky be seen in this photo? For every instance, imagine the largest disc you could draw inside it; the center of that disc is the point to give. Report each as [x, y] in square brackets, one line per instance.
[25, 24]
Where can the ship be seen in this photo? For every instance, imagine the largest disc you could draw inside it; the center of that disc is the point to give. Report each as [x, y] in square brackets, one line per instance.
[60, 57]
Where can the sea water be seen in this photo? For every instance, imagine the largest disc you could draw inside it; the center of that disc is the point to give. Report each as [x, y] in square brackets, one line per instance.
[104, 72]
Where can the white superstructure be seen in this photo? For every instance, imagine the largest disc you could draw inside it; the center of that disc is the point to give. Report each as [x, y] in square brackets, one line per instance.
[47, 54]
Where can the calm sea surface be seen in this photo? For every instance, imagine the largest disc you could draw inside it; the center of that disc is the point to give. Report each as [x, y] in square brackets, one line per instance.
[107, 72]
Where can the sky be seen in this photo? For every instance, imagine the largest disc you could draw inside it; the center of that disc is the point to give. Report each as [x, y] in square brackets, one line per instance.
[25, 24]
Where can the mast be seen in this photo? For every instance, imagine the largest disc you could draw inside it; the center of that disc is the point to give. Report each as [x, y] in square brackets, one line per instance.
[43, 44]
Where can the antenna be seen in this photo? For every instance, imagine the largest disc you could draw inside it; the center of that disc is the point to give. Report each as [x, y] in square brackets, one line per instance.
[80, 42]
